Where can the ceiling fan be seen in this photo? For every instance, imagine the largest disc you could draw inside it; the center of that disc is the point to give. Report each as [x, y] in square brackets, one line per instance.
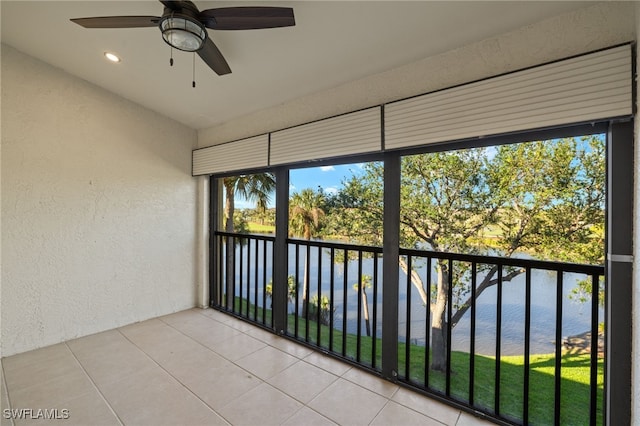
[184, 27]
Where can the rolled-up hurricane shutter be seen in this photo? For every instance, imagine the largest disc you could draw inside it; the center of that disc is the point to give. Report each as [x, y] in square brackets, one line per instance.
[355, 133]
[244, 154]
[595, 86]
[592, 87]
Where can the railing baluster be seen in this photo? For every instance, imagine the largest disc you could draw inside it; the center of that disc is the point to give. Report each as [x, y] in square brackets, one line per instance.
[221, 268]
[273, 262]
[407, 348]
[498, 341]
[472, 332]
[255, 279]
[264, 282]
[332, 295]
[359, 316]
[344, 302]
[593, 405]
[558, 366]
[240, 278]
[248, 276]
[232, 299]
[449, 315]
[527, 345]
[374, 333]
[427, 325]
[307, 278]
[318, 342]
[297, 278]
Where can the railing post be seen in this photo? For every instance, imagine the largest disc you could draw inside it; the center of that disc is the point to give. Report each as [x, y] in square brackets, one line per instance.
[390, 268]
[280, 257]
[619, 274]
[215, 197]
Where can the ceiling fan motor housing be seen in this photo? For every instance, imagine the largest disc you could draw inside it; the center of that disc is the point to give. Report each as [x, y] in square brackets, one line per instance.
[182, 29]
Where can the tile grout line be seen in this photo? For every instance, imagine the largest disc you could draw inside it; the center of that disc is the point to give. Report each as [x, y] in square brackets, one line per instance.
[249, 372]
[211, 350]
[330, 372]
[171, 375]
[302, 408]
[95, 386]
[266, 381]
[380, 411]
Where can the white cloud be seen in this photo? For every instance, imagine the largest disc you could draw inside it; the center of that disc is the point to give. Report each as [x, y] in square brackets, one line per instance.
[331, 190]
[327, 168]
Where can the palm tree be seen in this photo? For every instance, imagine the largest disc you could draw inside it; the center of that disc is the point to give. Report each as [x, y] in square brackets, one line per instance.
[305, 214]
[257, 187]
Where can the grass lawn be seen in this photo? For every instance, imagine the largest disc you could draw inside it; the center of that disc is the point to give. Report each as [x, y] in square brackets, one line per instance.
[574, 392]
[257, 228]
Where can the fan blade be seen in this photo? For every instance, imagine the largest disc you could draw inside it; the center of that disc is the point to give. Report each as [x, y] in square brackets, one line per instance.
[213, 57]
[247, 18]
[118, 21]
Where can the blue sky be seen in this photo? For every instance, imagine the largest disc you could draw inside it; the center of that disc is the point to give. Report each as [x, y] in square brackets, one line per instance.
[328, 177]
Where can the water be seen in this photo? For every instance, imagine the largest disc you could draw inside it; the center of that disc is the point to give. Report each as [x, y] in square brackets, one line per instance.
[576, 317]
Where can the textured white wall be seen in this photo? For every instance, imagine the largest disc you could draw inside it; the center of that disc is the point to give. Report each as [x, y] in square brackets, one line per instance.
[98, 208]
[592, 28]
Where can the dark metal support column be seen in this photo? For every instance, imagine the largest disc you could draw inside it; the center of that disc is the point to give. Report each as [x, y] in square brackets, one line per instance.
[214, 266]
[390, 271]
[619, 268]
[280, 284]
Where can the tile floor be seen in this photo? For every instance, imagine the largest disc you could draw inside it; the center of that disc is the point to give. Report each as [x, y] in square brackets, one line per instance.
[201, 367]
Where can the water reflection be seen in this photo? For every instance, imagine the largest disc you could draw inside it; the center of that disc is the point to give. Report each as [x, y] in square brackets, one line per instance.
[576, 317]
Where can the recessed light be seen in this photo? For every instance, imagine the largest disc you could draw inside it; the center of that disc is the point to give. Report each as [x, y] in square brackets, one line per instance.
[112, 57]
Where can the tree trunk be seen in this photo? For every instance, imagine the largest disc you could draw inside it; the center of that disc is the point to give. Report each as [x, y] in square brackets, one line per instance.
[305, 286]
[438, 322]
[365, 307]
[415, 280]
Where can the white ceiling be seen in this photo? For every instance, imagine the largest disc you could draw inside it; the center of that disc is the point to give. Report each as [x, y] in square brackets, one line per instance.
[333, 42]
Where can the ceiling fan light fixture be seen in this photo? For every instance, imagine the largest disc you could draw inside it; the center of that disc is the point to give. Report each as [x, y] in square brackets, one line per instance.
[183, 33]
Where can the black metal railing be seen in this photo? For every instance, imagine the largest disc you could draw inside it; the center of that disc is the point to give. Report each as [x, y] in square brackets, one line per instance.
[336, 305]
[244, 279]
[502, 346]
[518, 389]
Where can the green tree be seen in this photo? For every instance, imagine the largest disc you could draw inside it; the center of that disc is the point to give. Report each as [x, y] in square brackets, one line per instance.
[305, 219]
[292, 289]
[543, 197]
[256, 188]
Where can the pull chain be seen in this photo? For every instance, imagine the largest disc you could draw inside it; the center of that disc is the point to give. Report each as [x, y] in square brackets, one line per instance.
[193, 83]
[171, 58]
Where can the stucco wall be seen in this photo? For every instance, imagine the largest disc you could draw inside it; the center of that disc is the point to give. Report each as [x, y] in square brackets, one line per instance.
[98, 208]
